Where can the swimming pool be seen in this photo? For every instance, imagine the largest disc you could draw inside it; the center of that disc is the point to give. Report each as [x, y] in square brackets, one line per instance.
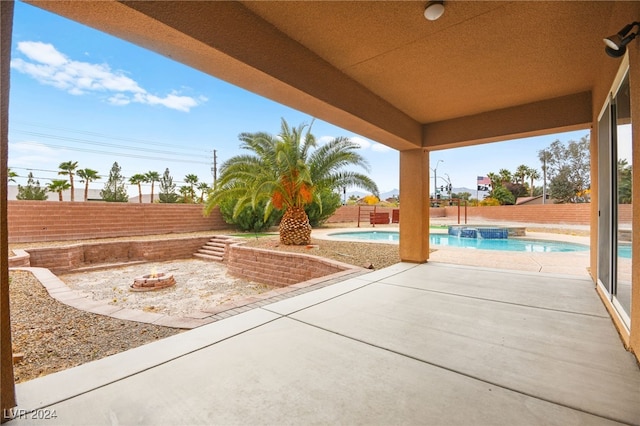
[443, 240]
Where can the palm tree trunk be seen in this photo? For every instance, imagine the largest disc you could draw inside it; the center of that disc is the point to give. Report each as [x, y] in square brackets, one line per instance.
[151, 192]
[531, 187]
[73, 190]
[295, 228]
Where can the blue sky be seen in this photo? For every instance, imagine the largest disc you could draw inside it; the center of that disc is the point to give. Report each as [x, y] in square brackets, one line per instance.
[81, 95]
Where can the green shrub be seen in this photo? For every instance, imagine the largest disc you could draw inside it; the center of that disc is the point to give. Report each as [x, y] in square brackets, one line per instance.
[249, 219]
[330, 202]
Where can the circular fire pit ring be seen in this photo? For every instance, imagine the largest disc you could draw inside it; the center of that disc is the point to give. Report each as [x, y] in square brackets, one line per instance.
[151, 282]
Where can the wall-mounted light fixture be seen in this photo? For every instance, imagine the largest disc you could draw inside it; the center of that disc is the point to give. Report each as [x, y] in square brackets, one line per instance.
[434, 10]
[617, 43]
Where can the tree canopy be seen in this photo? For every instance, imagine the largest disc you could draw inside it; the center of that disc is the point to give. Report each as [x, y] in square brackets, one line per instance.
[289, 172]
[114, 189]
[568, 170]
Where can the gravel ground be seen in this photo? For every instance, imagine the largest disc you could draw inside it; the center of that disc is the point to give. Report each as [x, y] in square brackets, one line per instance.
[366, 255]
[53, 336]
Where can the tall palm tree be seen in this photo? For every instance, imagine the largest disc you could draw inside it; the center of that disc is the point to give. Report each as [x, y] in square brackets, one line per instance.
[187, 193]
[138, 179]
[191, 180]
[67, 168]
[203, 188]
[59, 185]
[495, 179]
[152, 177]
[520, 173]
[87, 176]
[289, 171]
[533, 175]
[505, 176]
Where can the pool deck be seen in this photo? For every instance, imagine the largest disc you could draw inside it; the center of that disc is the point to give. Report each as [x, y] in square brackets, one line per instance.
[572, 263]
[436, 343]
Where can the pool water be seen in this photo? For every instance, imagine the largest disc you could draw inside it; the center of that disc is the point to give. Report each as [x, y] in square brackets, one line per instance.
[443, 240]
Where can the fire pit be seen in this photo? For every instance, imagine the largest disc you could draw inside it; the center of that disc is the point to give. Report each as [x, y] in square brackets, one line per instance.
[155, 281]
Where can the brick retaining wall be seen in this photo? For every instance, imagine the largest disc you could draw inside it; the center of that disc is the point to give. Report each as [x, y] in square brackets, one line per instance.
[30, 221]
[62, 259]
[279, 268]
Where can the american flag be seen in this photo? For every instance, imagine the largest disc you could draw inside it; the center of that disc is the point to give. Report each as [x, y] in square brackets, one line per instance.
[484, 183]
[483, 180]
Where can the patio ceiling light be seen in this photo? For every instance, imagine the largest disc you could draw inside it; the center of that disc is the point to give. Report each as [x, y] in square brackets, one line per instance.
[434, 10]
[617, 43]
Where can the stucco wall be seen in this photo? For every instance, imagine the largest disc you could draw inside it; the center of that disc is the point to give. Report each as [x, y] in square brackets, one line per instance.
[30, 221]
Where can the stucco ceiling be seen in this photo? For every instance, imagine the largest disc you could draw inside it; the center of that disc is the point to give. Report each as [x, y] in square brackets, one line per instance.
[477, 57]
[377, 67]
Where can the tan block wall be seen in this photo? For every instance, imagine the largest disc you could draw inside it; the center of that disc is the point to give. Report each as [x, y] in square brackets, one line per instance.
[279, 268]
[347, 214]
[64, 259]
[30, 221]
[569, 214]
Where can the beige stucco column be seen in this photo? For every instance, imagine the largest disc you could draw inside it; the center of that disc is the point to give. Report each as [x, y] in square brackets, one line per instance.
[7, 388]
[414, 202]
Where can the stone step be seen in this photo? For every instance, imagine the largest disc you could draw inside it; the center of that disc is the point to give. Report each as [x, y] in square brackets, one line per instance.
[212, 244]
[214, 249]
[212, 252]
[209, 257]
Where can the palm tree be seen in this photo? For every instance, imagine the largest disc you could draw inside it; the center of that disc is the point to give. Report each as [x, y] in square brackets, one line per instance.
[520, 173]
[59, 185]
[284, 171]
[87, 176]
[532, 174]
[138, 179]
[187, 194]
[495, 180]
[203, 188]
[505, 176]
[152, 177]
[191, 180]
[67, 168]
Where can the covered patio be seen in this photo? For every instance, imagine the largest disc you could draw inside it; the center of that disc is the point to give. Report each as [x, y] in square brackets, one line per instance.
[414, 343]
[409, 344]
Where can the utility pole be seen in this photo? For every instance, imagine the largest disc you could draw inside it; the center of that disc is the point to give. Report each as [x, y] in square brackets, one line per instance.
[214, 168]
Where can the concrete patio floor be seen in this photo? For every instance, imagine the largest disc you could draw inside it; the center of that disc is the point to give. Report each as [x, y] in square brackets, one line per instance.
[410, 344]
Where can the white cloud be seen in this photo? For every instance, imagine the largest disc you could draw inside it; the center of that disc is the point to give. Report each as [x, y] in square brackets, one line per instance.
[49, 66]
[119, 99]
[26, 154]
[324, 139]
[364, 144]
[378, 147]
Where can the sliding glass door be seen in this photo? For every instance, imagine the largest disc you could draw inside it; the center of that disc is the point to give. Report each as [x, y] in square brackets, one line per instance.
[615, 202]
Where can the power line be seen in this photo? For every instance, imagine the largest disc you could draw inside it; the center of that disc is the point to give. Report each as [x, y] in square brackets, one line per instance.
[120, 154]
[89, 142]
[183, 146]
